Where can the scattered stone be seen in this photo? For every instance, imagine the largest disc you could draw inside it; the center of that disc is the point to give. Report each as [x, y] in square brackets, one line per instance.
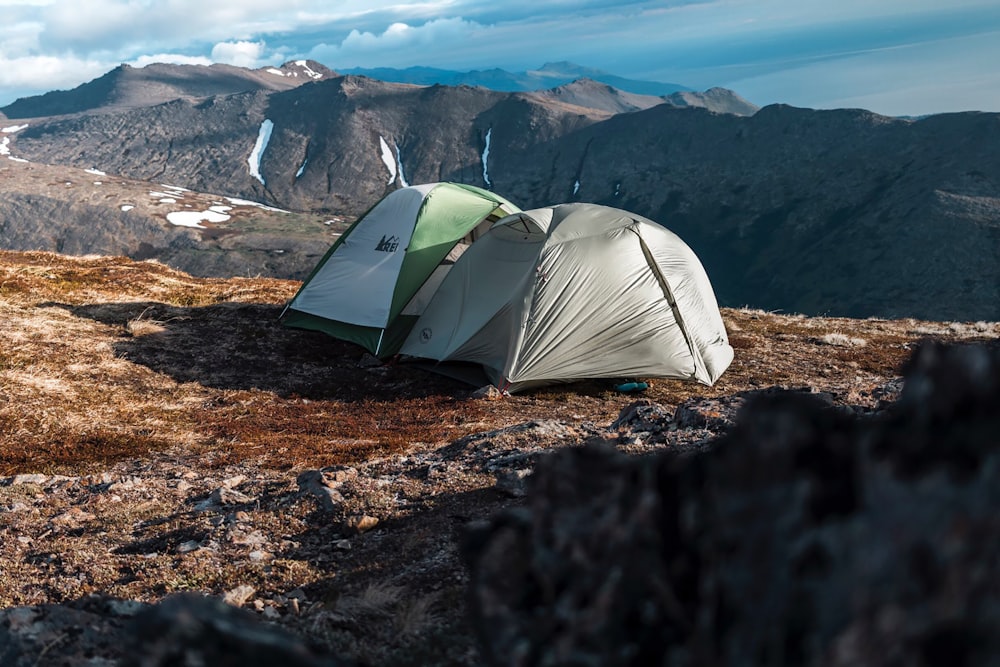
[360, 523]
[313, 483]
[126, 485]
[644, 416]
[239, 595]
[233, 482]
[714, 414]
[489, 393]
[337, 475]
[241, 537]
[324, 485]
[188, 547]
[223, 497]
[72, 518]
[101, 479]
[18, 480]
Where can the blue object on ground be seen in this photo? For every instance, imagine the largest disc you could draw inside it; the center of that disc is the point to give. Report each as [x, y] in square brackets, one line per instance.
[629, 387]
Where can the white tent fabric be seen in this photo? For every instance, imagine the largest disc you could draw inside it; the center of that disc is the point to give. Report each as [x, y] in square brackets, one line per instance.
[576, 291]
[354, 283]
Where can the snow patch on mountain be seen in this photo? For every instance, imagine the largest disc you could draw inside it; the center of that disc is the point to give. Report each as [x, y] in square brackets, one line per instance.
[309, 72]
[388, 159]
[195, 218]
[263, 136]
[247, 202]
[399, 163]
[486, 156]
[5, 151]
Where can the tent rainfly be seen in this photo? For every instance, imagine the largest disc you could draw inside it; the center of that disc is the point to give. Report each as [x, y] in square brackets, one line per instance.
[576, 291]
[373, 283]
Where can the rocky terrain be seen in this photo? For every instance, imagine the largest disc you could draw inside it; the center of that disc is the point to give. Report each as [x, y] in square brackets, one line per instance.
[89, 212]
[183, 481]
[840, 212]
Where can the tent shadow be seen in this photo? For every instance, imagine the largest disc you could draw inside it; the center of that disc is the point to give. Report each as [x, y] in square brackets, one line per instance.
[242, 346]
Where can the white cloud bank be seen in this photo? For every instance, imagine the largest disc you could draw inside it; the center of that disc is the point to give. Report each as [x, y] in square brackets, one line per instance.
[949, 51]
[240, 54]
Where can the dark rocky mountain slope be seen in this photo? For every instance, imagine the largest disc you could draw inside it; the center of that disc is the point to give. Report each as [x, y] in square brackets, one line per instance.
[840, 212]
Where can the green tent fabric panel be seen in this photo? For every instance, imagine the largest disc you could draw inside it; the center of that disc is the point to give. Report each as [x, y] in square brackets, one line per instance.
[366, 337]
[447, 214]
[394, 336]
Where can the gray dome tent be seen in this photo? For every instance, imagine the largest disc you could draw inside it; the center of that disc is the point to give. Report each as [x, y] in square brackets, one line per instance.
[576, 291]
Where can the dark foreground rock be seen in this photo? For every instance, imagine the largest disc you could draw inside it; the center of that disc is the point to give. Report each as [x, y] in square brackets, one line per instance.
[183, 630]
[806, 535]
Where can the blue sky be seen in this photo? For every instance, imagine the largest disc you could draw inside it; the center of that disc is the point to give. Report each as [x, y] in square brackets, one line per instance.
[897, 57]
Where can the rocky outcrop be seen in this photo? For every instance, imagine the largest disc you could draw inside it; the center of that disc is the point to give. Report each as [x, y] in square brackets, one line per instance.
[183, 629]
[806, 535]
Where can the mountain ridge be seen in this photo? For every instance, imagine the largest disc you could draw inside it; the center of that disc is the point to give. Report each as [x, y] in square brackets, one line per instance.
[842, 212]
[130, 87]
[549, 75]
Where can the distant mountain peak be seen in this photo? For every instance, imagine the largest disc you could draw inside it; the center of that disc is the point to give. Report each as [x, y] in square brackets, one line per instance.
[306, 69]
[549, 75]
[566, 68]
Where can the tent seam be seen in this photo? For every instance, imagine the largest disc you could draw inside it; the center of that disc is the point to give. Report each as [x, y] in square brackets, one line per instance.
[668, 294]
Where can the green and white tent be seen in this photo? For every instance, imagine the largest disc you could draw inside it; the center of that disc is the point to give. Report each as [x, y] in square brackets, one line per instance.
[576, 291]
[375, 281]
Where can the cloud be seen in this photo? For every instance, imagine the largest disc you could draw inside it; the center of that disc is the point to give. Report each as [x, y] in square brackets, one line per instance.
[762, 44]
[400, 42]
[241, 54]
[170, 58]
[55, 72]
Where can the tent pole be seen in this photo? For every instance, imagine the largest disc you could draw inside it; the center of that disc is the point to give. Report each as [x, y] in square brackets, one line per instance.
[378, 348]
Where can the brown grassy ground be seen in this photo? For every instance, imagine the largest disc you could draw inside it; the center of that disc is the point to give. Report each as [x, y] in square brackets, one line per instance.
[148, 390]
